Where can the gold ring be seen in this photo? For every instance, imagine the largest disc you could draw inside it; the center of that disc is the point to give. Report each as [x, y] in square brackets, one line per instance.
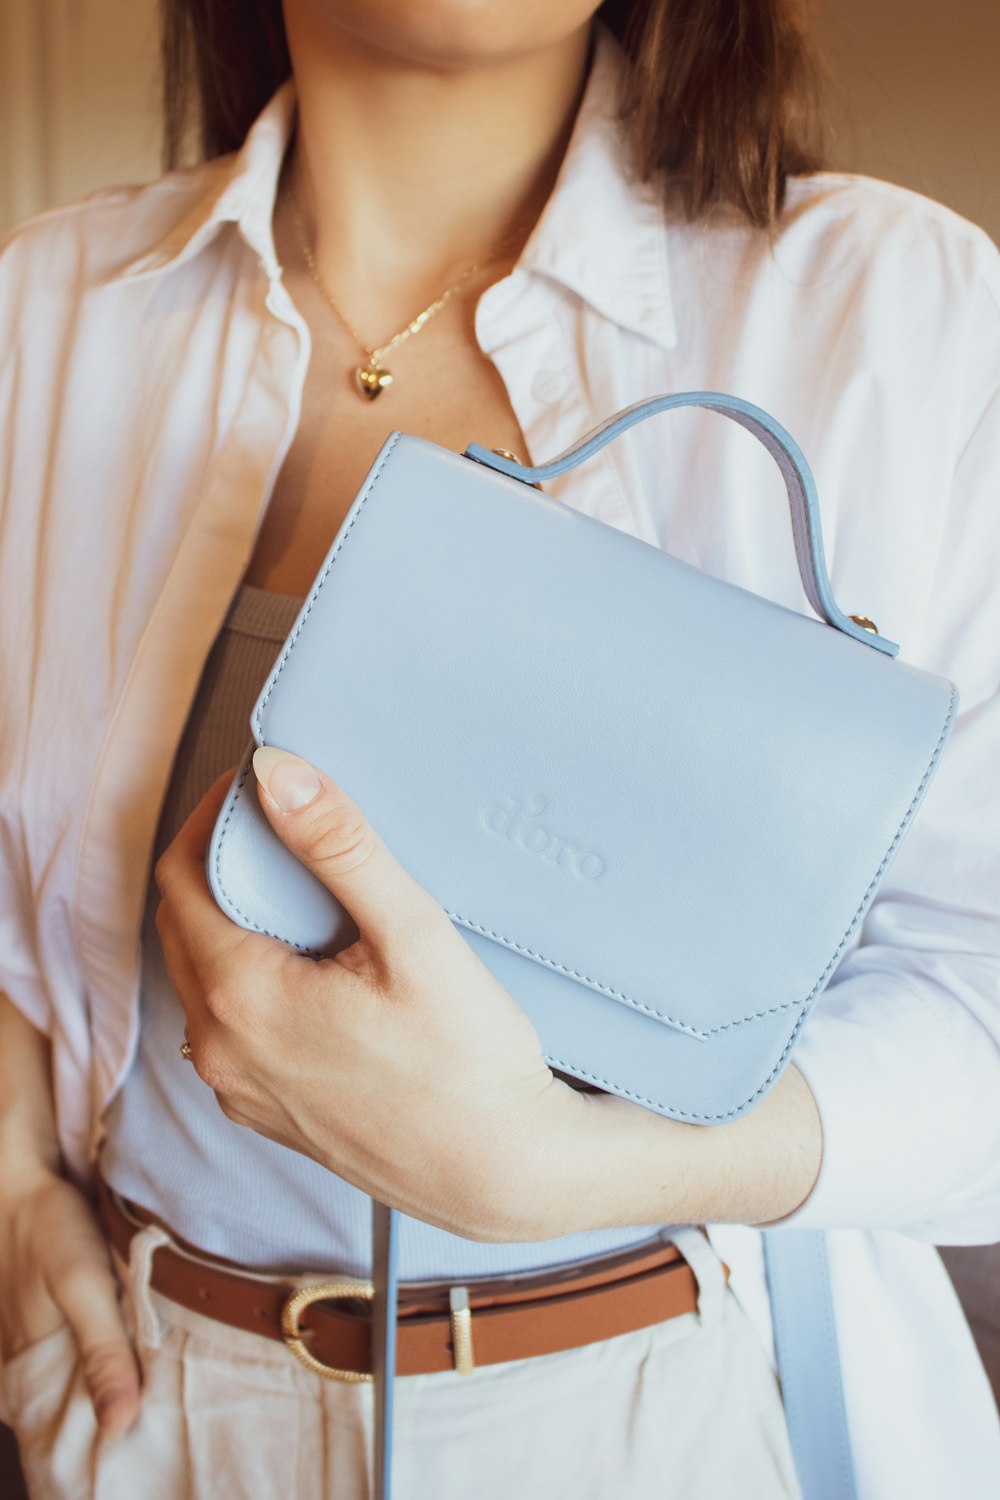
[186, 1047]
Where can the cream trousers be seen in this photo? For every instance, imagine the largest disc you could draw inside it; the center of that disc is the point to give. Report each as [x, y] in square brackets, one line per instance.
[686, 1410]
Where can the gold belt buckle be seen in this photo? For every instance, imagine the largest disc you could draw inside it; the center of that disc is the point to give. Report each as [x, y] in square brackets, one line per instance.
[292, 1332]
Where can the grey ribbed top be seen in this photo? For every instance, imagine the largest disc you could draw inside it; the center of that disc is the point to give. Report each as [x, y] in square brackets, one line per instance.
[218, 727]
[169, 1146]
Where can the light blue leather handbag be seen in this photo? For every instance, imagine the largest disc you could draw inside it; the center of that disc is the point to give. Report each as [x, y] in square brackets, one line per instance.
[657, 805]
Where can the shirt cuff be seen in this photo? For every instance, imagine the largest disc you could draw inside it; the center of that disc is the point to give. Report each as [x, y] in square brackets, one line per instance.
[905, 1081]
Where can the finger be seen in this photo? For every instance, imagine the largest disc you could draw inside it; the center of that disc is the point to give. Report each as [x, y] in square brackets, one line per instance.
[180, 968]
[329, 834]
[195, 920]
[178, 961]
[87, 1293]
[221, 992]
[191, 842]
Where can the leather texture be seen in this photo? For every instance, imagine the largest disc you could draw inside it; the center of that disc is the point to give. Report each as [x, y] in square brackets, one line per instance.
[805, 1342]
[521, 1316]
[801, 487]
[656, 804]
[385, 1279]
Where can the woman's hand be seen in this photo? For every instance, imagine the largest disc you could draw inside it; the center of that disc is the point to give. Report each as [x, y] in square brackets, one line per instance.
[405, 1067]
[54, 1265]
[54, 1269]
[401, 1063]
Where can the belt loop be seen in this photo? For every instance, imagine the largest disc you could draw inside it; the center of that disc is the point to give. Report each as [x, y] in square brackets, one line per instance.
[461, 1330]
[708, 1272]
[140, 1266]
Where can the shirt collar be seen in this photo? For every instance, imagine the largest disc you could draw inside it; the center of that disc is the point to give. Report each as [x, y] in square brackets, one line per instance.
[237, 189]
[600, 234]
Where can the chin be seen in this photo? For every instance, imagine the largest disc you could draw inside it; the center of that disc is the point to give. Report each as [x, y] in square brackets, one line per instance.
[449, 34]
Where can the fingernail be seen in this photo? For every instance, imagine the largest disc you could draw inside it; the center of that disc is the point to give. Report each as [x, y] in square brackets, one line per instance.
[291, 782]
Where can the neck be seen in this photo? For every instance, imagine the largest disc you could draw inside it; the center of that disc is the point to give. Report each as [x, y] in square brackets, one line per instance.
[413, 161]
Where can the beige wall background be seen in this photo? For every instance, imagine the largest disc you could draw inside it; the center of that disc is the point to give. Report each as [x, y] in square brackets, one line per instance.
[914, 95]
[78, 99]
[912, 88]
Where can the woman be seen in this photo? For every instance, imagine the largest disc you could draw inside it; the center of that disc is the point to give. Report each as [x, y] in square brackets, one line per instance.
[188, 413]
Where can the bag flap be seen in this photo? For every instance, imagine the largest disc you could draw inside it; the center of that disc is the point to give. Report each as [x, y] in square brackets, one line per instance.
[660, 785]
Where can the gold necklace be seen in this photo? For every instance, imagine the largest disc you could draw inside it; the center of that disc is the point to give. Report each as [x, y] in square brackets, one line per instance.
[373, 378]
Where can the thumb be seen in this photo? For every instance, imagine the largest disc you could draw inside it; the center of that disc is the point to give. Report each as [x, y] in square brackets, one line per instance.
[329, 834]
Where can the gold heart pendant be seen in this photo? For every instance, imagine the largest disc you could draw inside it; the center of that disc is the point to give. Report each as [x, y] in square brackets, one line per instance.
[372, 380]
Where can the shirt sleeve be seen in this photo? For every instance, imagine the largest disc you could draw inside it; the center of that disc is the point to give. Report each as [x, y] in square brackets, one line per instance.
[902, 1050]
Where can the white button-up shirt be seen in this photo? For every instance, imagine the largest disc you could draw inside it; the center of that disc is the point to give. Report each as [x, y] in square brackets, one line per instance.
[151, 372]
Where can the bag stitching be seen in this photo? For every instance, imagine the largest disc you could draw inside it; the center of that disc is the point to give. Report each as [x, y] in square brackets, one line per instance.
[673, 1109]
[575, 1068]
[674, 1021]
[758, 1014]
[279, 668]
[594, 983]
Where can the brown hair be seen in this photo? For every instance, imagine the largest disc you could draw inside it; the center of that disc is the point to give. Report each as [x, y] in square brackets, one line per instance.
[718, 98]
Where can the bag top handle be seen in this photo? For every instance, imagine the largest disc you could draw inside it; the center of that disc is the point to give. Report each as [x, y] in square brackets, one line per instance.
[802, 497]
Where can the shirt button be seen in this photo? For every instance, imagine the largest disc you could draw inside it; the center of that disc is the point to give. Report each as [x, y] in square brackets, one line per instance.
[548, 385]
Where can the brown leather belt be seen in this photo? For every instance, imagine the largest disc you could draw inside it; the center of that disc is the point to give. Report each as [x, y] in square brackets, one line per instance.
[508, 1317]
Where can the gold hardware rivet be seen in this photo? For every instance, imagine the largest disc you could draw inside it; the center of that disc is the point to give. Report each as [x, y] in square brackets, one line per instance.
[865, 623]
[506, 453]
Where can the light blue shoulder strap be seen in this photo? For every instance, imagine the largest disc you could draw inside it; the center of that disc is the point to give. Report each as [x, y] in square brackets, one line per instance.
[799, 483]
[385, 1279]
[805, 1341]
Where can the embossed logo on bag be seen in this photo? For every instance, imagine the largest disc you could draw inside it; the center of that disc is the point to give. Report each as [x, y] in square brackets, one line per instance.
[517, 820]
